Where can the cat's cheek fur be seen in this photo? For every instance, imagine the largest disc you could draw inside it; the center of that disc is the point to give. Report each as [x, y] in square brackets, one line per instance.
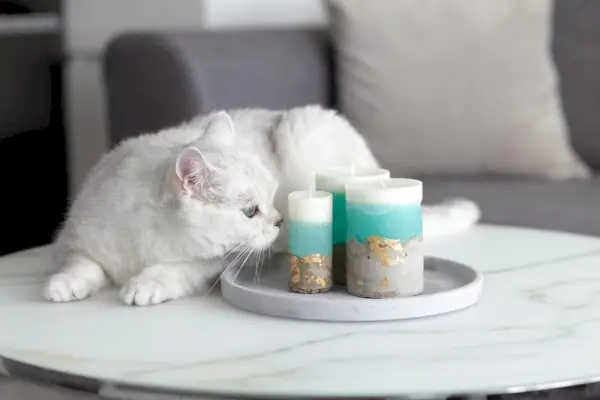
[265, 238]
[263, 230]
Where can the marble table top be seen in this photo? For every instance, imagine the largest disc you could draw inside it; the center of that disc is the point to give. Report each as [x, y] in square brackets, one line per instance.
[537, 326]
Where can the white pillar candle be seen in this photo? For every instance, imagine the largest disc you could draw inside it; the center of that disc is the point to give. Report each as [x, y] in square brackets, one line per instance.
[334, 180]
[309, 224]
[384, 232]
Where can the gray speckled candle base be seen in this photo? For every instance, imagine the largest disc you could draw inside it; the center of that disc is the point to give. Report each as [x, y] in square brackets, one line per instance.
[310, 274]
[294, 289]
[383, 268]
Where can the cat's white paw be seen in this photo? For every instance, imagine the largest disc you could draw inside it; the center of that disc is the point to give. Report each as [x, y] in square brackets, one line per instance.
[63, 287]
[144, 291]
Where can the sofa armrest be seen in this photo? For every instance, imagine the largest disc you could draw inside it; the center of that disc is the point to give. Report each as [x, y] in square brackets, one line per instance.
[155, 80]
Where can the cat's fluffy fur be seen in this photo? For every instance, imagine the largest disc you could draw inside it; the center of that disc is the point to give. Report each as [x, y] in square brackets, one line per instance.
[158, 213]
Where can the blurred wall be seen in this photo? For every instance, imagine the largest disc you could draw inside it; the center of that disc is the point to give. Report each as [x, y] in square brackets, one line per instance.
[261, 13]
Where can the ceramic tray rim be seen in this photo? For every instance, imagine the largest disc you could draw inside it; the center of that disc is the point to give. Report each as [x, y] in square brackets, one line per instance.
[455, 299]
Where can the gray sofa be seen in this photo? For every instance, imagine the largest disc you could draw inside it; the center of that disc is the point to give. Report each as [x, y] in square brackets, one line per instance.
[155, 80]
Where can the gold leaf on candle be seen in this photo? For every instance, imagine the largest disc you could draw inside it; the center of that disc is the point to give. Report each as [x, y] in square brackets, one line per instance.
[380, 247]
[315, 259]
[301, 267]
[295, 270]
[384, 282]
[318, 280]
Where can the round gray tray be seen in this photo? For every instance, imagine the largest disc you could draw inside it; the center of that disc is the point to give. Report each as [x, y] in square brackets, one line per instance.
[449, 286]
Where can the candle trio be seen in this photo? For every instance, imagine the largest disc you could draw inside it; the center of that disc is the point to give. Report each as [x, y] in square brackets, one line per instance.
[360, 229]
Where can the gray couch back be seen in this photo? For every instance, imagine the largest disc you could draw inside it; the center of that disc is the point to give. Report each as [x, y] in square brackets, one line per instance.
[155, 80]
[576, 49]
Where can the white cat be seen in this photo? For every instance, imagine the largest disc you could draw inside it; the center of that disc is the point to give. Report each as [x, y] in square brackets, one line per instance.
[159, 212]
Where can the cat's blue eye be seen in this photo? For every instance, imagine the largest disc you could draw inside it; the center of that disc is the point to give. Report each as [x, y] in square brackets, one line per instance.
[251, 211]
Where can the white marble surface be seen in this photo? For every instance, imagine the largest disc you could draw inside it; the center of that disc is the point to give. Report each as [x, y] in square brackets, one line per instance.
[536, 326]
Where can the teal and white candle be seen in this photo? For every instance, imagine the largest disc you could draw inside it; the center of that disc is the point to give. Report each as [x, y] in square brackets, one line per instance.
[384, 238]
[334, 180]
[310, 241]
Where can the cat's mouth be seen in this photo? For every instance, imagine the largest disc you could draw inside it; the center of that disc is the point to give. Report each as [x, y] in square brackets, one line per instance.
[264, 243]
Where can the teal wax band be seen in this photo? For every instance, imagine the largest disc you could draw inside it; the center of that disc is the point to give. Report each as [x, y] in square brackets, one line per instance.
[308, 238]
[339, 217]
[391, 221]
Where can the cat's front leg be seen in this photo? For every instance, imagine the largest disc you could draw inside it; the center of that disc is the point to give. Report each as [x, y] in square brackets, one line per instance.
[77, 279]
[161, 282]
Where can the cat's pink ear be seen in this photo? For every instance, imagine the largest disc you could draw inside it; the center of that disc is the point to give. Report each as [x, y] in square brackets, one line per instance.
[220, 129]
[191, 168]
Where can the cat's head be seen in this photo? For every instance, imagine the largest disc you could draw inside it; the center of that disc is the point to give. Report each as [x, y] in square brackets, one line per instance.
[226, 193]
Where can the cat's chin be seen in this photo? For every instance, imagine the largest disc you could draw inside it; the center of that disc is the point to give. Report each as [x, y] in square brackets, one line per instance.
[263, 245]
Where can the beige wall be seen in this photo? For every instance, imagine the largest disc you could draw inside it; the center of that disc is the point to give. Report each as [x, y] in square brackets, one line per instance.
[259, 13]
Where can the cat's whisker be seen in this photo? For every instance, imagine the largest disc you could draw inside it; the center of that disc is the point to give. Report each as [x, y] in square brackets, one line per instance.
[261, 257]
[234, 249]
[270, 257]
[231, 265]
[236, 259]
[256, 268]
[262, 261]
[243, 263]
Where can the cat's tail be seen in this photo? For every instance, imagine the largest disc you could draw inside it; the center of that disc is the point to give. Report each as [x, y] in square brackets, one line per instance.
[449, 217]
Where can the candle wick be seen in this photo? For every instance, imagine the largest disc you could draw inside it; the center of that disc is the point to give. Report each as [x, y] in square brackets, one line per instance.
[382, 184]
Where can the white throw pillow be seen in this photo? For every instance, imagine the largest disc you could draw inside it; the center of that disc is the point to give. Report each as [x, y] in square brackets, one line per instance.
[454, 86]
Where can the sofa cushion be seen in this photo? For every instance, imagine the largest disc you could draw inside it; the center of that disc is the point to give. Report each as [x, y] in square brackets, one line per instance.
[457, 87]
[572, 206]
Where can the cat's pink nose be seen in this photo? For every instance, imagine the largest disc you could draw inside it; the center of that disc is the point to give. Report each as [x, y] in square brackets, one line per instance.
[278, 222]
